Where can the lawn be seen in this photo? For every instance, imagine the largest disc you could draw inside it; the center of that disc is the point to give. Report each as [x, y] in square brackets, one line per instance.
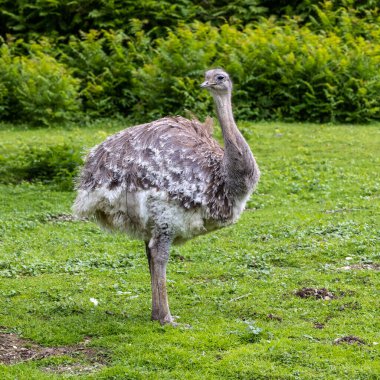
[290, 292]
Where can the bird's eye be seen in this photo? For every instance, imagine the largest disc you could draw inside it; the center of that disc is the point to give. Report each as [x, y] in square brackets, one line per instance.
[220, 77]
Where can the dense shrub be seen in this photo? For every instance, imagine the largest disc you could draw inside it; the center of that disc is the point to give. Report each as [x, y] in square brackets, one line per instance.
[306, 9]
[346, 22]
[292, 73]
[281, 72]
[28, 18]
[68, 17]
[36, 88]
[323, 66]
[169, 81]
[105, 61]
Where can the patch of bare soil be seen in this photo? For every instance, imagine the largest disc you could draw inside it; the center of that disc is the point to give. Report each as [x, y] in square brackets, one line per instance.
[73, 369]
[274, 317]
[14, 349]
[375, 267]
[319, 326]
[350, 339]
[316, 293]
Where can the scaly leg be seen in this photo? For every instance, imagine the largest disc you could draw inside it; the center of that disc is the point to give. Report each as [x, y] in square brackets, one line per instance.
[159, 255]
[155, 311]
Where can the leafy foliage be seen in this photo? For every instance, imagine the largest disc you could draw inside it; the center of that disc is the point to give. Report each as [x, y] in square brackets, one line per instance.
[319, 62]
[104, 61]
[67, 17]
[36, 88]
[175, 69]
[282, 71]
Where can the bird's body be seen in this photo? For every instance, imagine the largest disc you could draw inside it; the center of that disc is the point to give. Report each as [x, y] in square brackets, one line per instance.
[133, 181]
[166, 182]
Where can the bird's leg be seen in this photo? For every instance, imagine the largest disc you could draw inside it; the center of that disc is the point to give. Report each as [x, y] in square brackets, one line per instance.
[155, 311]
[159, 255]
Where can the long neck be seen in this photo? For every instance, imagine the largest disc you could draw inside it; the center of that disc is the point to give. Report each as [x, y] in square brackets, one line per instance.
[239, 164]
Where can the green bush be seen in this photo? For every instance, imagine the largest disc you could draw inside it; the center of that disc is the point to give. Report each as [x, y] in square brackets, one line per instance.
[325, 70]
[104, 61]
[8, 73]
[292, 73]
[169, 80]
[347, 19]
[36, 88]
[64, 18]
[281, 70]
[46, 91]
[28, 18]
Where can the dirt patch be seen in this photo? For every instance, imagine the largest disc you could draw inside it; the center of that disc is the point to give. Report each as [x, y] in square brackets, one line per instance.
[73, 369]
[351, 339]
[374, 266]
[316, 293]
[177, 257]
[319, 326]
[274, 317]
[14, 349]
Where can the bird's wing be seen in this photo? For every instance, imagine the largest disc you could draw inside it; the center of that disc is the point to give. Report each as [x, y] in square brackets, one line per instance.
[173, 154]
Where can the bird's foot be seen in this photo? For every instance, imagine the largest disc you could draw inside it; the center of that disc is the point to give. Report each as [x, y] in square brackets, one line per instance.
[171, 321]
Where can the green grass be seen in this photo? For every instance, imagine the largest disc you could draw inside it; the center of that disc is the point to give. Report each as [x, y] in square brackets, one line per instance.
[316, 210]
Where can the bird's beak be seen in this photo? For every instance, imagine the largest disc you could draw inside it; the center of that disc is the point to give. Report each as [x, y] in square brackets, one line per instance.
[205, 84]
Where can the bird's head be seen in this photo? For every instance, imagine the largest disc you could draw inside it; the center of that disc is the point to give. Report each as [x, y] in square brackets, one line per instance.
[217, 81]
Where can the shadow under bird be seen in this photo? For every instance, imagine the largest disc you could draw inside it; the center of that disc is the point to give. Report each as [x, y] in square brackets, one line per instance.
[168, 181]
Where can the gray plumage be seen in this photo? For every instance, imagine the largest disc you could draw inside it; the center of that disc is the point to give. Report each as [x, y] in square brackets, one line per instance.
[169, 180]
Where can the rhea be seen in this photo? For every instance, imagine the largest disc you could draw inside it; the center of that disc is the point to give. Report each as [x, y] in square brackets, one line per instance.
[168, 181]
